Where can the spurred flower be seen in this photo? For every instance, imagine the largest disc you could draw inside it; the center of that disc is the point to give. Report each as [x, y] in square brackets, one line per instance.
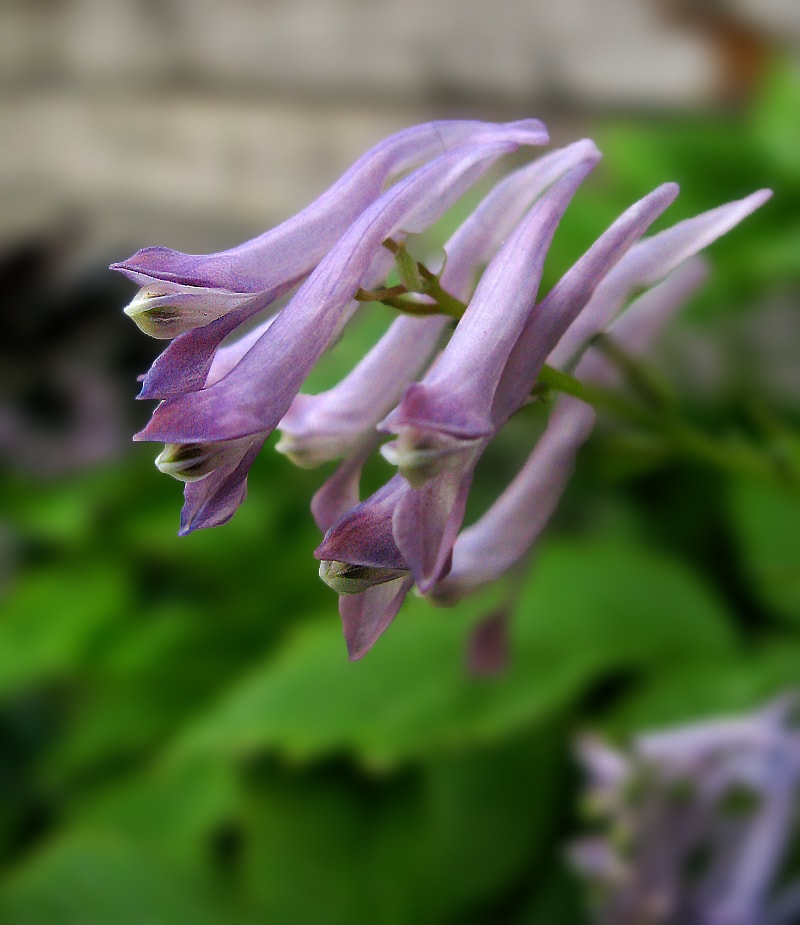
[257, 392]
[426, 518]
[341, 422]
[221, 397]
[201, 299]
[521, 512]
[248, 388]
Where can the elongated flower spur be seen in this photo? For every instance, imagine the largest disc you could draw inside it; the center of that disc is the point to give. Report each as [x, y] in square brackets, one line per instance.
[472, 342]
[698, 823]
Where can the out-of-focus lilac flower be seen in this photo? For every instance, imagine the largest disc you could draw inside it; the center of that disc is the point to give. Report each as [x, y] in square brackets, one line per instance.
[699, 821]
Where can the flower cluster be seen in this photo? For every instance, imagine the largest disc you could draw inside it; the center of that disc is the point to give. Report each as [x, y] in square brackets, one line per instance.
[222, 392]
[700, 821]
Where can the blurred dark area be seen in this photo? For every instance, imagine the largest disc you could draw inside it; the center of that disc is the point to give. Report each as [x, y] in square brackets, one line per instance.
[182, 738]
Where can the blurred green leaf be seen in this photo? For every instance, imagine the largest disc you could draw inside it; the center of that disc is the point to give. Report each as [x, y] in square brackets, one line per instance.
[50, 621]
[96, 879]
[775, 120]
[701, 688]
[766, 527]
[171, 811]
[587, 609]
[492, 811]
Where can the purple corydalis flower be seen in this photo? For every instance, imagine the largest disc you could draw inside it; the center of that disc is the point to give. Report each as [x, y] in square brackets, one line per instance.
[248, 399]
[448, 411]
[255, 395]
[427, 540]
[208, 296]
[521, 512]
[648, 262]
[291, 249]
[425, 522]
[337, 422]
[725, 790]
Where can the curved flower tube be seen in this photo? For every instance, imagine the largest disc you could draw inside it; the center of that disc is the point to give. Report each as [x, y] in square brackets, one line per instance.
[447, 411]
[521, 512]
[426, 541]
[426, 521]
[479, 234]
[201, 299]
[291, 249]
[646, 264]
[255, 395]
[337, 422]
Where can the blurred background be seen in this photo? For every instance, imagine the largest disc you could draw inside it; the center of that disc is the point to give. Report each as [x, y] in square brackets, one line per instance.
[182, 738]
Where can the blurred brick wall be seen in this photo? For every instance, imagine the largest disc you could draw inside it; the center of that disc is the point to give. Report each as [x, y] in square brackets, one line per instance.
[193, 122]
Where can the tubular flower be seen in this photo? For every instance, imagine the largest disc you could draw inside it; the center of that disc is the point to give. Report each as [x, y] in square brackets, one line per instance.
[723, 790]
[465, 354]
[521, 512]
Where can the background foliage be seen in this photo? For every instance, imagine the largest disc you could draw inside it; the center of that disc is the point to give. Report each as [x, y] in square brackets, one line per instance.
[183, 740]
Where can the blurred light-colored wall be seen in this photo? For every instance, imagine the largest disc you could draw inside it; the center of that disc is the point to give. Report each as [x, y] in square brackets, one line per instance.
[195, 122]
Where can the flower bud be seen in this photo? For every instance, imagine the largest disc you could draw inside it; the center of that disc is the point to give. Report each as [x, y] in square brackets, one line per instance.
[345, 578]
[191, 462]
[164, 312]
[422, 455]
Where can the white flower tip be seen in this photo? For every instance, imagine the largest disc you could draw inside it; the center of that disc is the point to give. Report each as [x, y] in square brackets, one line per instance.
[152, 314]
[191, 462]
[164, 312]
[345, 578]
[422, 455]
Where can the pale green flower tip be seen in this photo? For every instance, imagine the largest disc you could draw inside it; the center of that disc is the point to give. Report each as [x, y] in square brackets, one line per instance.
[187, 462]
[303, 453]
[421, 457]
[417, 466]
[344, 578]
[153, 313]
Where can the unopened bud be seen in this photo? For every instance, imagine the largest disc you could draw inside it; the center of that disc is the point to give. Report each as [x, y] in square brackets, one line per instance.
[345, 578]
[191, 462]
[164, 312]
[422, 455]
[311, 451]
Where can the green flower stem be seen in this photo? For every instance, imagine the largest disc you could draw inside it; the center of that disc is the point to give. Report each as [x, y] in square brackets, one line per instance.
[380, 295]
[656, 412]
[726, 454]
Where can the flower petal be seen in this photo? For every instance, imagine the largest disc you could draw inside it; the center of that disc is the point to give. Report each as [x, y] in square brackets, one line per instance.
[291, 249]
[647, 263]
[458, 406]
[366, 616]
[256, 394]
[328, 425]
[214, 500]
[568, 298]
[504, 534]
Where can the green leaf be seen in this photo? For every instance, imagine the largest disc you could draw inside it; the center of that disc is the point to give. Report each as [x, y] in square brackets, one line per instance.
[492, 810]
[708, 687]
[95, 879]
[51, 619]
[766, 525]
[588, 609]
[172, 811]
